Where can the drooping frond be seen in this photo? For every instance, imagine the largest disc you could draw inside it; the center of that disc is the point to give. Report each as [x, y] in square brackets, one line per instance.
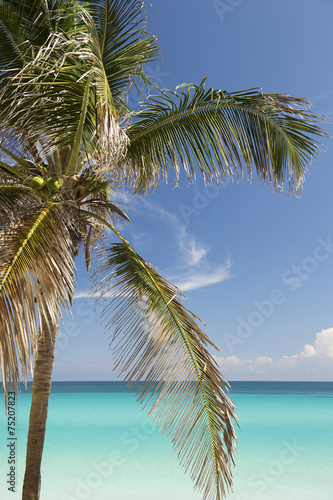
[221, 131]
[157, 340]
[96, 214]
[36, 275]
[108, 208]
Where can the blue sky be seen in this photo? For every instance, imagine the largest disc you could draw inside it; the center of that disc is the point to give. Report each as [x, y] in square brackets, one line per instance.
[255, 266]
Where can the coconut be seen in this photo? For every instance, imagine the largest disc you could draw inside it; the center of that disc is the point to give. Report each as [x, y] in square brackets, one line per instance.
[53, 184]
[37, 182]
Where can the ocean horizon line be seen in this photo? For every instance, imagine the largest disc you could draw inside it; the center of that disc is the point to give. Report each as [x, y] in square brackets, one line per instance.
[228, 381]
[290, 387]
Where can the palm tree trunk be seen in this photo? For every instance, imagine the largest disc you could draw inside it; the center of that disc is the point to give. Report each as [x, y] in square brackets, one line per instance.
[41, 388]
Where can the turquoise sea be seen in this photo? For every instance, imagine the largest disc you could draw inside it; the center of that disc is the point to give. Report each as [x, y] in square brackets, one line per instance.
[100, 445]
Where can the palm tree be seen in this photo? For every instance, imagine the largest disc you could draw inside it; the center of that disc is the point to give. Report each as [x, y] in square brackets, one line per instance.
[69, 142]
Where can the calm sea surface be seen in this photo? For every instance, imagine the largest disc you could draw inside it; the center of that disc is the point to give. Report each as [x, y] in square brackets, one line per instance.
[100, 445]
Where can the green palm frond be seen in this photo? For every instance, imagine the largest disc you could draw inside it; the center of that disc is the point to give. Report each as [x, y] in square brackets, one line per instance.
[157, 339]
[26, 23]
[13, 196]
[20, 24]
[108, 207]
[96, 215]
[41, 97]
[68, 85]
[60, 95]
[17, 151]
[36, 272]
[10, 154]
[13, 171]
[220, 131]
[123, 43]
[10, 37]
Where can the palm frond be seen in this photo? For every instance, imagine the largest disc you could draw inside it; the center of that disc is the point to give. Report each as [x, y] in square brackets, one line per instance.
[25, 23]
[60, 85]
[107, 206]
[124, 45]
[11, 170]
[157, 340]
[13, 196]
[36, 274]
[17, 151]
[97, 214]
[221, 131]
[67, 84]
[10, 37]
[42, 95]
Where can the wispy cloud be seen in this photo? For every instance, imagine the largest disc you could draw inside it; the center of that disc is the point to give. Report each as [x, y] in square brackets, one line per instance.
[157, 210]
[192, 250]
[190, 281]
[200, 280]
[193, 255]
[82, 295]
[192, 269]
[92, 296]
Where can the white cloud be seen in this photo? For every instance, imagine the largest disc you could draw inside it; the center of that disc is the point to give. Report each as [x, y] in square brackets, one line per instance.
[194, 281]
[313, 362]
[196, 252]
[192, 250]
[287, 363]
[233, 365]
[264, 361]
[82, 295]
[194, 270]
[157, 209]
[88, 295]
[309, 351]
[323, 345]
[322, 348]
